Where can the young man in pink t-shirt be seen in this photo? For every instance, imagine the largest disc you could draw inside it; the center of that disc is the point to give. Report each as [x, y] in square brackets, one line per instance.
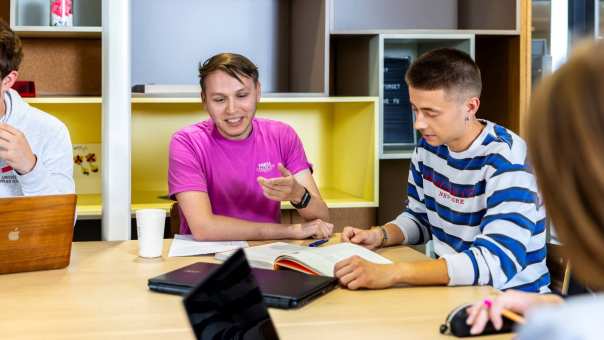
[229, 173]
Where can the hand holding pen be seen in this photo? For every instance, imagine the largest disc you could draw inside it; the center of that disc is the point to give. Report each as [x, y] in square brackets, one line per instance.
[511, 305]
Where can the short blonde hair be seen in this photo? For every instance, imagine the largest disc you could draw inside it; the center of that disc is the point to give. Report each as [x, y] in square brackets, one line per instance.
[566, 146]
[233, 64]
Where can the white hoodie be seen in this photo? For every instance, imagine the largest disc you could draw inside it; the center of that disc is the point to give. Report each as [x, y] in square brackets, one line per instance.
[49, 140]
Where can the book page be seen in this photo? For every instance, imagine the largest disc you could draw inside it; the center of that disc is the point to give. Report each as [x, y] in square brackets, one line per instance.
[263, 256]
[324, 259]
[338, 252]
[313, 261]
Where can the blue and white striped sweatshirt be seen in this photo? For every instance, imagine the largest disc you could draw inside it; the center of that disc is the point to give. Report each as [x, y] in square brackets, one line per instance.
[482, 210]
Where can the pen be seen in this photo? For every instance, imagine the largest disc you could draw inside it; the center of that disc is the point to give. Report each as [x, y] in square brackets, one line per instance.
[318, 243]
[512, 316]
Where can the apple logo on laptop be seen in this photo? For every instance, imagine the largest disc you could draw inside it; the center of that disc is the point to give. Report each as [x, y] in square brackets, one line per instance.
[14, 235]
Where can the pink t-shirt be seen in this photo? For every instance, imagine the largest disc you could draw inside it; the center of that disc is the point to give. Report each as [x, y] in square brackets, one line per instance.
[201, 159]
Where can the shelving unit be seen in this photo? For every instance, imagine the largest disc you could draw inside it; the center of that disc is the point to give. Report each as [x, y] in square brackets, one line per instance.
[496, 34]
[346, 170]
[58, 32]
[287, 39]
[31, 18]
[82, 116]
[34, 15]
[338, 134]
[362, 57]
[371, 17]
[65, 64]
[321, 75]
[62, 61]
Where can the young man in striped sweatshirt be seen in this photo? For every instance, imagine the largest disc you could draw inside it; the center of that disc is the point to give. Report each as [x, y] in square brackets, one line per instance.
[470, 190]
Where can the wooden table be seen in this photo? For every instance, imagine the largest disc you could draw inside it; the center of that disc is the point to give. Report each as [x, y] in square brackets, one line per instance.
[103, 295]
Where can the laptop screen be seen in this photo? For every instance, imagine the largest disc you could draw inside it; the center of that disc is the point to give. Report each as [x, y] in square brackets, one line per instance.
[229, 305]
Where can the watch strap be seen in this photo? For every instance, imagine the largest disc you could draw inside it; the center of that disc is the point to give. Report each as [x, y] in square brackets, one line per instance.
[303, 201]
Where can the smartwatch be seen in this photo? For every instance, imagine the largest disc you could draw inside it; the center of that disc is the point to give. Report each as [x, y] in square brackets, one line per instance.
[303, 201]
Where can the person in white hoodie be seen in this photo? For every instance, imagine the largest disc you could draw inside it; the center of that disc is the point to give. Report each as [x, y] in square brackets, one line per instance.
[35, 147]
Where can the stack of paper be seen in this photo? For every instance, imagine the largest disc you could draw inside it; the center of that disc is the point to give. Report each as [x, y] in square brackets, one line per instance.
[185, 245]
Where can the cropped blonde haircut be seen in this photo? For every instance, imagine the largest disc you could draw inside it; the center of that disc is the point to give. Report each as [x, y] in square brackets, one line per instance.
[233, 64]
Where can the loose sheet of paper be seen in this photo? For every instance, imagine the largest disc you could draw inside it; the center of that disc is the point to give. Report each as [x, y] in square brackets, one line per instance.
[185, 245]
[263, 256]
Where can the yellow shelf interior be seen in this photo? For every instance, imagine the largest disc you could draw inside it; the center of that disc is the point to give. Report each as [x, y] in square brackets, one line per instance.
[339, 136]
[90, 205]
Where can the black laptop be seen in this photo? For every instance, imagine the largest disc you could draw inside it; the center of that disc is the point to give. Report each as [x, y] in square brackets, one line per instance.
[228, 304]
[281, 289]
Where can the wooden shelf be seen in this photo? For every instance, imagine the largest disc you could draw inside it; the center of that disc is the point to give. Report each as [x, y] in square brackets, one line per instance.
[90, 206]
[265, 99]
[60, 100]
[58, 32]
[190, 100]
[335, 198]
[414, 31]
[397, 154]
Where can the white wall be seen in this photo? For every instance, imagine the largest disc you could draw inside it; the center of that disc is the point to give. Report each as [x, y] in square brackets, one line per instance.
[170, 38]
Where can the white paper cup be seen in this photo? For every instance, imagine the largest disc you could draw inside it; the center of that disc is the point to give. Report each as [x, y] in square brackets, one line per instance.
[150, 229]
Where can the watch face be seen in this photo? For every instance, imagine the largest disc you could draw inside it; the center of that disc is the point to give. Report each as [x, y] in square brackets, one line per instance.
[305, 198]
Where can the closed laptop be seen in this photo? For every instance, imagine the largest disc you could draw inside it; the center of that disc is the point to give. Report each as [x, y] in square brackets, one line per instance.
[281, 288]
[36, 232]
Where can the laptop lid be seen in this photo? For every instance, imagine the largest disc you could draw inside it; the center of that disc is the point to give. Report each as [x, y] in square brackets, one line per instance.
[36, 232]
[228, 304]
[281, 289]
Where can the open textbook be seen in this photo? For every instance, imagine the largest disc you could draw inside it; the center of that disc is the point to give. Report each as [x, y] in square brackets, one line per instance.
[314, 261]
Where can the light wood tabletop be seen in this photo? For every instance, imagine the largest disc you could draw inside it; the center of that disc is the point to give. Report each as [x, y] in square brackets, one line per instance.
[103, 295]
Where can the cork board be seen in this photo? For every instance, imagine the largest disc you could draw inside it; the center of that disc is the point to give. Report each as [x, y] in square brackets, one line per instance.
[5, 11]
[62, 67]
